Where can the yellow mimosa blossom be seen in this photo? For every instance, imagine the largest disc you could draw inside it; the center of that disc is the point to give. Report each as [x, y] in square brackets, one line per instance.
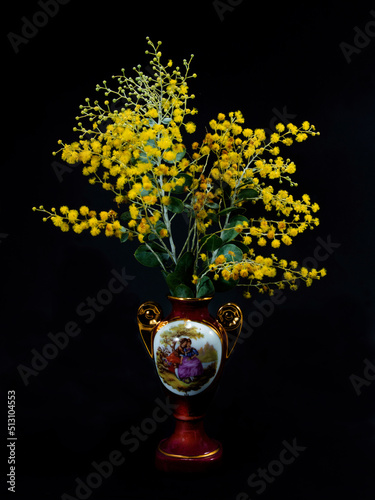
[152, 113]
[195, 279]
[220, 259]
[169, 155]
[72, 215]
[164, 143]
[84, 210]
[305, 125]
[190, 127]
[225, 274]
[262, 241]
[103, 215]
[229, 190]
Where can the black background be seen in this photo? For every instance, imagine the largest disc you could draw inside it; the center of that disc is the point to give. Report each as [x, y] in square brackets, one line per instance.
[291, 379]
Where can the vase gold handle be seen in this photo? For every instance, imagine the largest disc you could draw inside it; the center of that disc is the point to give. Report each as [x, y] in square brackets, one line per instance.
[230, 317]
[148, 316]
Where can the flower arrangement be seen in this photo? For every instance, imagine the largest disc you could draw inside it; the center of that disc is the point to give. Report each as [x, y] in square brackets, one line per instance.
[133, 145]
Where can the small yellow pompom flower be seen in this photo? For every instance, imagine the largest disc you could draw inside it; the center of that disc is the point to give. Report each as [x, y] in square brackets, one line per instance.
[72, 215]
[190, 127]
[169, 155]
[262, 241]
[133, 211]
[287, 240]
[305, 125]
[57, 220]
[304, 272]
[153, 113]
[225, 274]
[220, 259]
[84, 210]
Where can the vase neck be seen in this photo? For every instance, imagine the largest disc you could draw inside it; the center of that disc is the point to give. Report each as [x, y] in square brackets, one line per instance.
[187, 307]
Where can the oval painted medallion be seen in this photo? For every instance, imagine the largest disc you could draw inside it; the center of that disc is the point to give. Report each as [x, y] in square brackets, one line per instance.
[187, 356]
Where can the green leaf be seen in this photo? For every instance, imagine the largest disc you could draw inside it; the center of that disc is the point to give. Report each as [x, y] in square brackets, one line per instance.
[247, 194]
[124, 237]
[173, 281]
[229, 232]
[211, 242]
[180, 155]
[211, 204]
[125, 216]
[145, 254]
[205, 287]
[234, 249]
[242, 246]
[175, 205]
[183, 291]
[185, 266]
[229, 210]
[183, 273]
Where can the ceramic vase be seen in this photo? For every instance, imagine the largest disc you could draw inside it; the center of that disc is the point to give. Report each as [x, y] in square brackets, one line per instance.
[189, 348]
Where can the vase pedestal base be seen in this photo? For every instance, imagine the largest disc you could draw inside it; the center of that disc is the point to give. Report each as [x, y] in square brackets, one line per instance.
[196, 464]
[188, 449]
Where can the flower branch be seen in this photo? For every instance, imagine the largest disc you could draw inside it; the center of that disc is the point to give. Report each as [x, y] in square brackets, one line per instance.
[133, 145]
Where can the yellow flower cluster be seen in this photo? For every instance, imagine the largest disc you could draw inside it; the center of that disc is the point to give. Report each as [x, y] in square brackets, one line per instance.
[257, 269]
[84, 219]
[132, 145]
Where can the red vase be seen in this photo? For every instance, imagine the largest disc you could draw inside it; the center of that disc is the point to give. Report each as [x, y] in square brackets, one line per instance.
[189, 348]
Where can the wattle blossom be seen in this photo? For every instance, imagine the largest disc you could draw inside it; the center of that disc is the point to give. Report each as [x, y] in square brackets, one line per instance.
[133, 145]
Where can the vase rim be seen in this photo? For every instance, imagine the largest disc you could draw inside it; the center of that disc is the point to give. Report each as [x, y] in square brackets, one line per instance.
[190, 299]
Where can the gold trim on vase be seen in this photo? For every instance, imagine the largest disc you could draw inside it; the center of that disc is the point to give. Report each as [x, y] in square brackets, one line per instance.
[190, 299]
[148, 316]
[230, 317]
[209, 454]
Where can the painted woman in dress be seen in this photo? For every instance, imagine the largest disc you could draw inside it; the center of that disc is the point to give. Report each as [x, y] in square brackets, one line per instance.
[174, 359]
[190, 366]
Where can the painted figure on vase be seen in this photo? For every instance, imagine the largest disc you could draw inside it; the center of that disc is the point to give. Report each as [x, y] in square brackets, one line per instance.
[190, 366]
[187, 356]
[173, 360]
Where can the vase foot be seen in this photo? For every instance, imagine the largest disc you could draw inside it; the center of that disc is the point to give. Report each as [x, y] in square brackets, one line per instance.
[173, 462]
